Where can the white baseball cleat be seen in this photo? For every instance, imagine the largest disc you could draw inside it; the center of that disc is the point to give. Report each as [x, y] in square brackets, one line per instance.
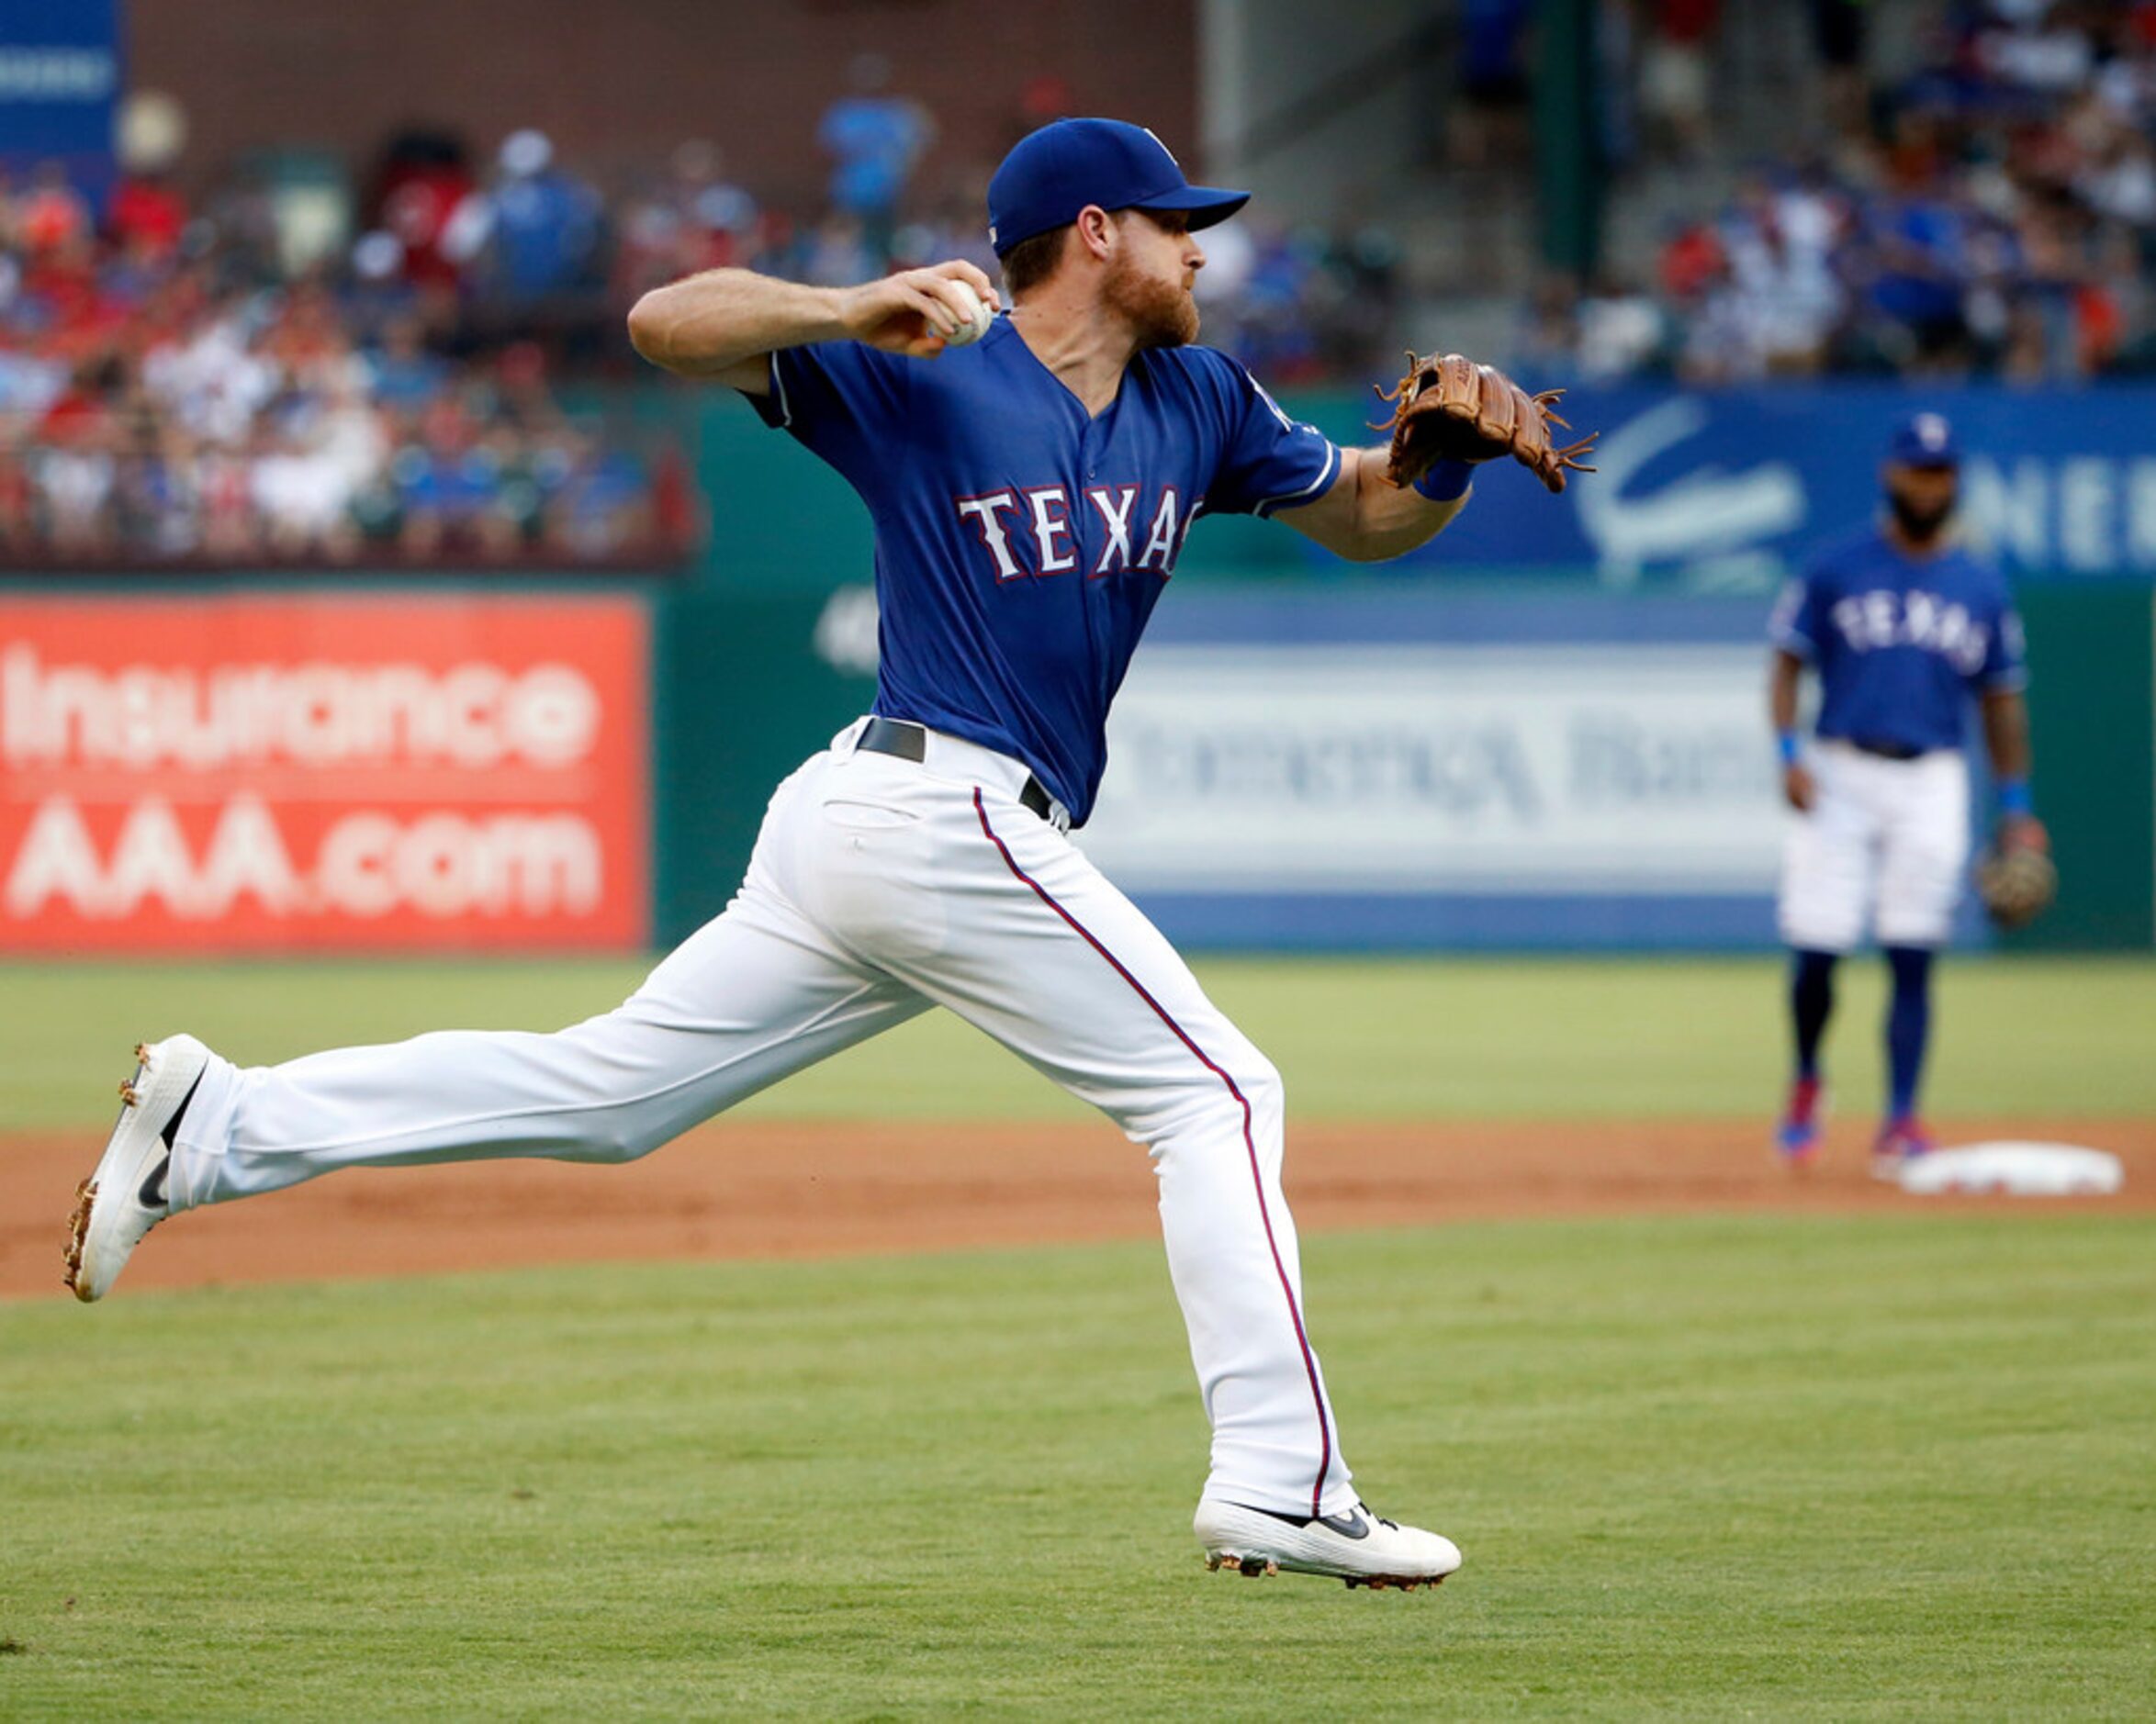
[125, 1198]
[1357, 1547]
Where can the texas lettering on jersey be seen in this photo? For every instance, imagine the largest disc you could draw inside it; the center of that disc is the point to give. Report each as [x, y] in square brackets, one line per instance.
[1883, 618]
[1030, 531]
[1900, 642]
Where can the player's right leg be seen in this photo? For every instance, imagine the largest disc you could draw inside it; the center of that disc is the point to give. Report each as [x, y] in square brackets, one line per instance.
[1925, 852]
[990, 910]
[756, 993]
[1811, 1005]
[1825, 885]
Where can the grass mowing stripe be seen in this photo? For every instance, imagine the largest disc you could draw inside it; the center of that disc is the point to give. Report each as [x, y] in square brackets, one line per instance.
[1810, 1468]
[1356, 1039]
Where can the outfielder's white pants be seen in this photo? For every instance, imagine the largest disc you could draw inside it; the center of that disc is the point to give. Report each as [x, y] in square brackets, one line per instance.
[878, 886]
[1888, 837]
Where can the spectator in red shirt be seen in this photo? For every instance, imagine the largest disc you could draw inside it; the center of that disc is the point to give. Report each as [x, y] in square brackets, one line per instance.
[51, 214]
[424, 181]
[147, 214]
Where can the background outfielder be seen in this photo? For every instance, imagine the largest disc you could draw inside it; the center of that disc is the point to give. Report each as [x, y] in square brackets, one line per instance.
[1903, 626]
[1031, 492]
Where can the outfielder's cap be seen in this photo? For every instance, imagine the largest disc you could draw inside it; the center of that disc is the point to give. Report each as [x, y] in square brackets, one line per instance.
[1924, 440]
[1052, 174]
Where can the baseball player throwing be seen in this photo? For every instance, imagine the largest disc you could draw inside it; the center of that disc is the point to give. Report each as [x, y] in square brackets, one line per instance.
[1903, 625]
[1032, 478]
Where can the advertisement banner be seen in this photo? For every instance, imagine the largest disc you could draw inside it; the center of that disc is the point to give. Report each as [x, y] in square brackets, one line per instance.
[1378, 770]
[1423, 769]
[1731, 490]
[297, 772]
[60, 79]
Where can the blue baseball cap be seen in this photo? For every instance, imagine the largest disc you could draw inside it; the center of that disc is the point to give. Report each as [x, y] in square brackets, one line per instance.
[1052, 174]
[1924, 440]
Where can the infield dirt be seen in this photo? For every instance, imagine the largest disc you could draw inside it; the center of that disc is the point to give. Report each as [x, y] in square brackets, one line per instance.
[792, 1189]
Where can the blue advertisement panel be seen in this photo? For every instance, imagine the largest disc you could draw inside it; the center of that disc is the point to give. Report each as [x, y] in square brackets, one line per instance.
[1302, 770]
[60, 87]
[1729, 491]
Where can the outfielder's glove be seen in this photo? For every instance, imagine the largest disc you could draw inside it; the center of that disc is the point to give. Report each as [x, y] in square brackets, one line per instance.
[2017, 882]
[1449, 408]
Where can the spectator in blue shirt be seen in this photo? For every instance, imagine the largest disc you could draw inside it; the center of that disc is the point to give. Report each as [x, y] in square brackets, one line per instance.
[874, 139]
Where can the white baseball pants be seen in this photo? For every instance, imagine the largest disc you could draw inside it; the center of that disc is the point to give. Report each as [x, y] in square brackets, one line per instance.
[878, 886]
[1887, 841]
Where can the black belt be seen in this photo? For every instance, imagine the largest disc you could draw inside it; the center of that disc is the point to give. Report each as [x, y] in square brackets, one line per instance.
[910, 742]
[1887, 751]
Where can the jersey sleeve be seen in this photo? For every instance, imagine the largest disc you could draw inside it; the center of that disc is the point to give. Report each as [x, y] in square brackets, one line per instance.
[1795, 626]
[1269, 460]
[843, 401]
[2005, 669]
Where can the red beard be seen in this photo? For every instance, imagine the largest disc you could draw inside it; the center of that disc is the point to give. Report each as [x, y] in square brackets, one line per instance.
[1160, 314]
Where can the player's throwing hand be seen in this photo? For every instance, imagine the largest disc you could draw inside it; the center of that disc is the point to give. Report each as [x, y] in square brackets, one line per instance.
[918, 311]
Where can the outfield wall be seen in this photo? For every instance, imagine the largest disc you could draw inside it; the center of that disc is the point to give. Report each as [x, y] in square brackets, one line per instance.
[1376, 768]
[1651, 820]
[1366, 767]
[1545, 730]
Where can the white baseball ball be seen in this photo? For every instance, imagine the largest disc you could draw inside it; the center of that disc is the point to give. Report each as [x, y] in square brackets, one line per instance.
[978, 316]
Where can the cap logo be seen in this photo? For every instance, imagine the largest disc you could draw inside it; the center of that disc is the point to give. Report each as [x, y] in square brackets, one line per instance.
[1149, 132]
[1931, 431]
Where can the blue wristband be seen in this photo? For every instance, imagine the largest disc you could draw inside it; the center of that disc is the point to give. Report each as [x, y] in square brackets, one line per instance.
[1446, 482]
[1785, 742]
[2014, 796]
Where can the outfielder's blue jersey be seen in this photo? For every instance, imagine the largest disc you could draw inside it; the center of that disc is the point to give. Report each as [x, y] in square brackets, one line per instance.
[1900, 643]
[1020, 546]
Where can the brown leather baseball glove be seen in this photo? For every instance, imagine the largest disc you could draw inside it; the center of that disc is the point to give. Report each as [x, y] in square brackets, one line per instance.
[1449, 408]
[2016, 882]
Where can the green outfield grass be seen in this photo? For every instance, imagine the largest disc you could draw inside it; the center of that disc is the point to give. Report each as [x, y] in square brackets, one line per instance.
[1356, 1039]
[1705, 1467]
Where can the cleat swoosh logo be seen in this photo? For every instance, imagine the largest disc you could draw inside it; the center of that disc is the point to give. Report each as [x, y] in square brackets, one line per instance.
[1349, 1525]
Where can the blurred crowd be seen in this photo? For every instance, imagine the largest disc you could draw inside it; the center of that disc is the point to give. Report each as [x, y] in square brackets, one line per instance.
[293, 367]
[1993, 214]
[1300, 305]
[295, 364]
[213, 384]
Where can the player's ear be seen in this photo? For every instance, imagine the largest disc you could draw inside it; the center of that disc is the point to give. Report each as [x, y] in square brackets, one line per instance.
[1096, 230]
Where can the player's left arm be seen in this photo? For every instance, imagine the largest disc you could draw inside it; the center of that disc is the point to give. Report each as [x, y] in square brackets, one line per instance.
[1449, 415]
[2005, 733]
[1998, 684]
[1362, 516]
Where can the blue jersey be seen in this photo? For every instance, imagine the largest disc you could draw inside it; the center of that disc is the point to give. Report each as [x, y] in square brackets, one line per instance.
[1021, 545]
[1900, 643]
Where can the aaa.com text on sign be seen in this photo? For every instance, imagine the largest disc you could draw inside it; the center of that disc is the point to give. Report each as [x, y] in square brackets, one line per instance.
[293, 772]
